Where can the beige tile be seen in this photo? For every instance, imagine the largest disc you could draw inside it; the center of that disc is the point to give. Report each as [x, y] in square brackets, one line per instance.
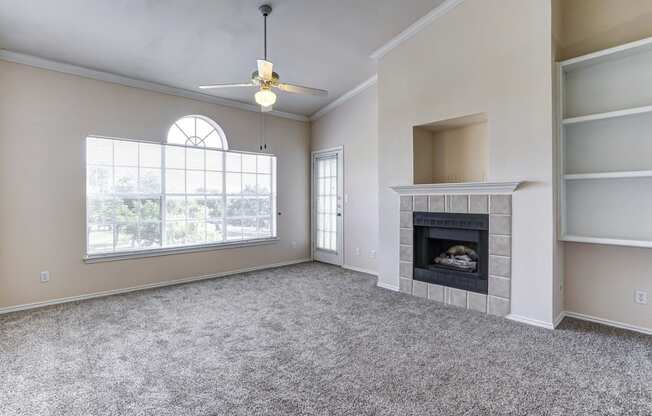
[419, 289]
[497, 306]
[500, 224]
[501, 204]
[405, 270]
[500, 266]
[421, 203]
[500, 245]
[456, 297]
[406, 253]
[478, 204]
[405, 285]
[477, 302]
[406, 237]
[436, 292]
[406, 203]
[406, 220]
[458, 203]
[500, 286]
[437, 203]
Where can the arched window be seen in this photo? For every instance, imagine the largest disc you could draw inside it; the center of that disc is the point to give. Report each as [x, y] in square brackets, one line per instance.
[197, 131]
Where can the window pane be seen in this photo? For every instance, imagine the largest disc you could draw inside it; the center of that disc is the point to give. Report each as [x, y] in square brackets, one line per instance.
[264, 227]
[175, 157]
[150, 235]
[214, 140]
[194, 182]
[249, 163]
[150, 181]
[100, 210]
[175, 208]
[175, 135]
[126, 153]
[126, 210]
[233, 162]
[126, 236]
[264, 184]
[214, 182]
[233, 229]
[249, 228]
[196, 208]
[100, 238]
[203, 128]
[265, 206]
[187, 125]
[214, 231]
[215, 207]
[234, 207]
[175, 181]
[214, 160]
[150, 210]
[250, 207]
[150, 155]
[175, 233]
[99, 180]
[249, 183]
[99, 151]
[195, 159]
[126, 180]
[233, 183]
[195, 232]
[264, 164]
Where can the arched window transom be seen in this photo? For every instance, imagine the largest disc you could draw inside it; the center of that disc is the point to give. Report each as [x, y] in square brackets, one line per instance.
[197, 131]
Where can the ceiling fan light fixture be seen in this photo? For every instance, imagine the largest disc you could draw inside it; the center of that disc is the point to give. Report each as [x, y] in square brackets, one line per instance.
[265, 97]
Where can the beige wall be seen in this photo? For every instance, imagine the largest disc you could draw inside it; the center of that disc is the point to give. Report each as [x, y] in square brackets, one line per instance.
[44, 117]
[600, 280]
[591, 25]
[479, 59]
[354, 125]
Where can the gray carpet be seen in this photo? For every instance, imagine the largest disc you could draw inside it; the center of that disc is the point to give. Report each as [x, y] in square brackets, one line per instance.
[309, 339]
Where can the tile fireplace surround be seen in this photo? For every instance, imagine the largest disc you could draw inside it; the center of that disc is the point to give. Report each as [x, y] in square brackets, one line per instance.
[494, 199]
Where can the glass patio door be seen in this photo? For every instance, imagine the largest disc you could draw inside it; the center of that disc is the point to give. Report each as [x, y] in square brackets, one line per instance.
[327, 207]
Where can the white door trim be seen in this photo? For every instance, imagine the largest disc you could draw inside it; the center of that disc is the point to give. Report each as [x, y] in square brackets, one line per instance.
[313, 154]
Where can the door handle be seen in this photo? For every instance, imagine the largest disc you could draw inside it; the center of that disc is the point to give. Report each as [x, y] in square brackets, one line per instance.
[339, 214]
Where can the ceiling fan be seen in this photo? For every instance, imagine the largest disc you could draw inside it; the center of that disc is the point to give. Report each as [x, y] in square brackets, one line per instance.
[265, 78]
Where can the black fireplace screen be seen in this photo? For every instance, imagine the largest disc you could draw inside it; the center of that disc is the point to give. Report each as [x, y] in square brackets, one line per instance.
[452, 250]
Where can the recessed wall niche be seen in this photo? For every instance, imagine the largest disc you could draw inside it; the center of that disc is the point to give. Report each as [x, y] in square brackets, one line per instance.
[452, 150]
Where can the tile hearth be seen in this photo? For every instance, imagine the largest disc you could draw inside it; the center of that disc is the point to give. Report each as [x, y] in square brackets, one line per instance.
[499, 209]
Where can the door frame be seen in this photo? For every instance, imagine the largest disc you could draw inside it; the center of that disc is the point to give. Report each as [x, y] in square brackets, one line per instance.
[313, 223]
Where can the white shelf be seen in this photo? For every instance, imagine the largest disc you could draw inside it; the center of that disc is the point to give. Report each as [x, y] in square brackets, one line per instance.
[605, 55]
[607, 115]
[607, 241]
[610, 175]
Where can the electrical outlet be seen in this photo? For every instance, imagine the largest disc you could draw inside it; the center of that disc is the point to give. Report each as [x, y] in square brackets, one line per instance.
[640, 297]
[372, 254]
[45, 276]
[357, 251]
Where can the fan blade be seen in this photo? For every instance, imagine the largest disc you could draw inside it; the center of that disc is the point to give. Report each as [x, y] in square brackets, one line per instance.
[299, 89]
[265, 69]
[227, 85]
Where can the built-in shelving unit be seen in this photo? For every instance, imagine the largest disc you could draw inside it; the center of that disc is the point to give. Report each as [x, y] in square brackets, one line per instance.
[605, 145]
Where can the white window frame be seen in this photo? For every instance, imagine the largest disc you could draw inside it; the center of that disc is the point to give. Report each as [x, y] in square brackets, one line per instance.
[187, 248]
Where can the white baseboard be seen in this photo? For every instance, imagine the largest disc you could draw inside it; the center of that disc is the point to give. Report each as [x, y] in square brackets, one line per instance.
[559, 318]
[145, 286]
[388, 287]
[608, 322]
[530, 321]
[360, 269]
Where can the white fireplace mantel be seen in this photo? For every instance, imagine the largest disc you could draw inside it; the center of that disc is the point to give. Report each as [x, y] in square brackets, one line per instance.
[458, 188]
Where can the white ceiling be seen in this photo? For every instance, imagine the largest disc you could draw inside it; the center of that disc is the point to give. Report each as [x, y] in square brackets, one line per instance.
[185, 43]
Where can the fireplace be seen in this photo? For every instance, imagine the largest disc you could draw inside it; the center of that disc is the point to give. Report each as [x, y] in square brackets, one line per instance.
[452, 249]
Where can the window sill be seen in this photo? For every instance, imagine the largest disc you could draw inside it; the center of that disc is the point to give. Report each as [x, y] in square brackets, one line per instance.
[128, 255]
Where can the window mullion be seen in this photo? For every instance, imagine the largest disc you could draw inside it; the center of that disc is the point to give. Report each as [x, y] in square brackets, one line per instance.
[162, 197]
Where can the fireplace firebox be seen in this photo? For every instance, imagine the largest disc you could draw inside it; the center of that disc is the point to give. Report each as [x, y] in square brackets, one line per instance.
[452, 250]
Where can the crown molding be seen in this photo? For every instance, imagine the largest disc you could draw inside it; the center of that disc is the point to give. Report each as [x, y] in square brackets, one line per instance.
[344, 98]
[35, 61]
[416, 27]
